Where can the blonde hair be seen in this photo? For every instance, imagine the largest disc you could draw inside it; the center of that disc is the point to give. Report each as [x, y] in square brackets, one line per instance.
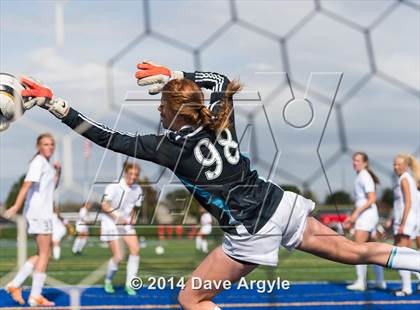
[186, 98]
[413, 164]
[40, 138]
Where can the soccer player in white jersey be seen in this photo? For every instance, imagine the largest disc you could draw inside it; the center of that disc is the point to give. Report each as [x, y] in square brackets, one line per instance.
[365, 217]
[202, 149]
[201, 242]
[38, 193]
[59, 231]
[119, 214]
[82, 229]
[405, 210]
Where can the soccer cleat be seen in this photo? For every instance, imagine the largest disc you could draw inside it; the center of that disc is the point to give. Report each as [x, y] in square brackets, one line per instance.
[380, 285]
[109, 288]
[15, 293]
[40, 301]
[356, 286]
[402, 293]
[130, 291]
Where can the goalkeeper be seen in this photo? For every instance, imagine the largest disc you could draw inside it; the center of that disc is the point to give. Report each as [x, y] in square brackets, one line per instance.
[202, 149]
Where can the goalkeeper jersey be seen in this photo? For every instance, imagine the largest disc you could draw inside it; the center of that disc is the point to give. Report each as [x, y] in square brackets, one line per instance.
[211, 167]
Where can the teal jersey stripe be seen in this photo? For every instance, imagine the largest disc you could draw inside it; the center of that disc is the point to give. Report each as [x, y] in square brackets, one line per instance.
[211, 199]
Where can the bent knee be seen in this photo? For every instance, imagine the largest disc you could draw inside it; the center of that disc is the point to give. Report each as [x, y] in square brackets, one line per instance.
[135, 251]
[361, 251]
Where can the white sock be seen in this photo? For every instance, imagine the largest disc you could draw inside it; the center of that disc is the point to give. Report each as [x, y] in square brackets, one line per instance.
[406, 281]
[24, 272]
[217, 308]
[198, 241]
[204, 245]
[56, 252]
[75, 247]
[132, 268]
[82, 244]
[379, 273]
[404, 258]
[361, 273]
[112, 269]
[38, 280]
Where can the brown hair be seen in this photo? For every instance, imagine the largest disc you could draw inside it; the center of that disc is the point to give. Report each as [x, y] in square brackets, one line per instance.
[365, 159]
[186, 97]
[130, 165]
[413, 164]
[39, 139]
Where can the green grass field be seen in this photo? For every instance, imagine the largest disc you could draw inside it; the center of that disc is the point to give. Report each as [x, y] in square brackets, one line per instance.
[180, 259]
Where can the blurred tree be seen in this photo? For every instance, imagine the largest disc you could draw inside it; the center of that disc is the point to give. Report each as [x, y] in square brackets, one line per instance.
[179, 199]
[150, 198]
[338, 197]
[387, 197]
[14, 191]
[307, 193]
[290, 188]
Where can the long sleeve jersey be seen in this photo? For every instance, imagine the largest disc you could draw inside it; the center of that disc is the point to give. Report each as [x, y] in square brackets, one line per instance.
[210, 165]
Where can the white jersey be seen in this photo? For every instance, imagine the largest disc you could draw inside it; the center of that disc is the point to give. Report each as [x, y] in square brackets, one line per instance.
[40, 198]
[399, 204]
[82, 221]
[83, 216]
[58, 228]
[363, 185]
[123, 199]
[205, 219]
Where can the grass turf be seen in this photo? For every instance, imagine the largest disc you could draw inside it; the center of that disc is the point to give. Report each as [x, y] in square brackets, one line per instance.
[180, 259]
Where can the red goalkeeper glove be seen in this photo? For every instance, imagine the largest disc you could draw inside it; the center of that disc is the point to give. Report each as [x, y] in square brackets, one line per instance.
[38, 94]
[150, 73]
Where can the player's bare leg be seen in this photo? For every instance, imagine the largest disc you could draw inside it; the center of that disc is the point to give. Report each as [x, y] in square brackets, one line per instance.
[216, 266]
[322, 241]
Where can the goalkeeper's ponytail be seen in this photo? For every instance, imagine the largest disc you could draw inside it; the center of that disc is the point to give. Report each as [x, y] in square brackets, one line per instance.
[186, 98]
[221, 118]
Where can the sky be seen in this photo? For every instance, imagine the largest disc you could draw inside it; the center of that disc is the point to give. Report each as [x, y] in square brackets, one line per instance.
[364, 51]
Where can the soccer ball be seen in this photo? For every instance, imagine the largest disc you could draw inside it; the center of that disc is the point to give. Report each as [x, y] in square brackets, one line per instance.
[159, 250]
[11, 101]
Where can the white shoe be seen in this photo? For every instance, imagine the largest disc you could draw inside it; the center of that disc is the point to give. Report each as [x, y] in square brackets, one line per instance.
[380, 285]
[356, 286]
[402, 293]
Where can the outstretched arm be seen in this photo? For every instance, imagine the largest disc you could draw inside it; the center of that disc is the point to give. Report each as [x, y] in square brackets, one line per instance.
[156, 75]
[143, 147]
[138, 146]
